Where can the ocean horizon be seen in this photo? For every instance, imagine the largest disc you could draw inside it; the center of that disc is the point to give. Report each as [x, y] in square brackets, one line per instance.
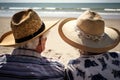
[107, 10]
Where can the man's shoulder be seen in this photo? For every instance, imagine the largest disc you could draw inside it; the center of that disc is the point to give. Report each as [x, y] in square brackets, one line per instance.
[3, 57]
[51, 61]
[30, 60]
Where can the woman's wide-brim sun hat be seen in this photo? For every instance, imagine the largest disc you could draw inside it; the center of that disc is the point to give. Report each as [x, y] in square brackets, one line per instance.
[89, 33]
[26, 25]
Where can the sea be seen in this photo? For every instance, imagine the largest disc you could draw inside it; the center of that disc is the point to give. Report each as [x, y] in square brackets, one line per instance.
[107, 10]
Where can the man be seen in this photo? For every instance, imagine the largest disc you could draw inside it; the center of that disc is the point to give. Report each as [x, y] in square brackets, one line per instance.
[93, 39]
[28, 38]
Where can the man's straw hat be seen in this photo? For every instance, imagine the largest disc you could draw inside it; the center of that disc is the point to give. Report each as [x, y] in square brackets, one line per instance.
[89, 33]
[26, 25]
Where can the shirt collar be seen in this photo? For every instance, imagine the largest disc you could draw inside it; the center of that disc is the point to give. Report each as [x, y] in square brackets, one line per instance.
[26, 52]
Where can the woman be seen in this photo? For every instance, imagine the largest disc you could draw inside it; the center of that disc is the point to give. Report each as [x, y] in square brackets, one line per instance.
[89, 34]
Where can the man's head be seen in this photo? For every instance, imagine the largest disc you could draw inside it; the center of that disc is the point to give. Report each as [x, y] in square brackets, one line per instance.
[37, 44]
[26, 26]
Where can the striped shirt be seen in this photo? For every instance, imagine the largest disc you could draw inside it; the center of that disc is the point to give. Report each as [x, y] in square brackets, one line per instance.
[25, 64]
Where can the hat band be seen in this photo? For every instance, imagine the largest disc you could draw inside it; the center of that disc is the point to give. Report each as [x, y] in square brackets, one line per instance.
[82, 34]
[31, 36]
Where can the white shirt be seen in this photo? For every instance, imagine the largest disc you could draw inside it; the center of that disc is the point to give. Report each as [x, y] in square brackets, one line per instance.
[104, 66]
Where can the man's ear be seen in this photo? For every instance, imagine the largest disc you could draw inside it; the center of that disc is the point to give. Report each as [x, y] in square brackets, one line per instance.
[43, 41]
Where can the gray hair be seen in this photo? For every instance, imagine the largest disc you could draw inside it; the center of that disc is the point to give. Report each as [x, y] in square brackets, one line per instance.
[29, 45]
[33, 43]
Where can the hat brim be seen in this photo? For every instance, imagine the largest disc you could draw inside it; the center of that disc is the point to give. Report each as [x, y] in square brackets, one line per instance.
[8, 40]
[68, 34]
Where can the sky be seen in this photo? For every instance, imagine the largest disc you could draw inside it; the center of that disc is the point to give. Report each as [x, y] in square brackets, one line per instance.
[71, 1]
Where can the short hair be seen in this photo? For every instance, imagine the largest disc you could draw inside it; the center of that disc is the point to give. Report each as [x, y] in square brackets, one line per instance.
[33, 43]
[29, 45]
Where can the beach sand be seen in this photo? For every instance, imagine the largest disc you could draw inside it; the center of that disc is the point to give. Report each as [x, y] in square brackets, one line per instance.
[56, 48]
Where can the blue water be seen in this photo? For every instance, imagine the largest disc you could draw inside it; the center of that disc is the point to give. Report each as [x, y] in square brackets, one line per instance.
[60, 9]
[62, 5]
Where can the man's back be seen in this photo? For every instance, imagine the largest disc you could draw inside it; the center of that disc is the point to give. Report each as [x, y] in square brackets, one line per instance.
[29, 67]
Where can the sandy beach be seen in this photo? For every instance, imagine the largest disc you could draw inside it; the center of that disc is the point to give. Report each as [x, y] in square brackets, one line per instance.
[55, 48]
